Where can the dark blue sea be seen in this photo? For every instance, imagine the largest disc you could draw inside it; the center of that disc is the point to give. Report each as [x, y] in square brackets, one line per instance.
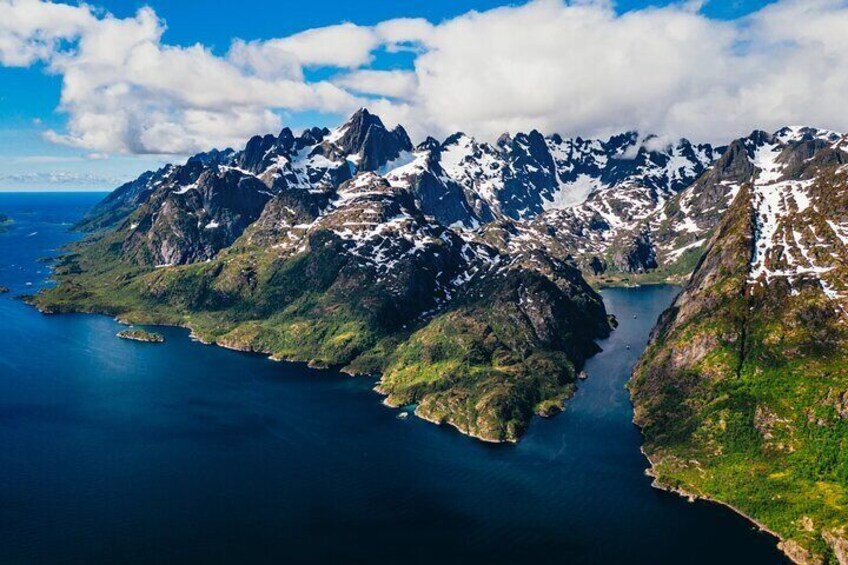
[121, 452]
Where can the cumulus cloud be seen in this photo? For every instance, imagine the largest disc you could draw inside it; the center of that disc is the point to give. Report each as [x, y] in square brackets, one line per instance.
[404, 33]
[125, 91]
[394, 84]
[577, 68]
[32, 30]
[344, 45]
[581, 68]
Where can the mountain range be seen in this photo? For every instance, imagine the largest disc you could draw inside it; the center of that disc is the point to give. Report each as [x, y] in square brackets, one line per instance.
[600, 201]
[463, 274]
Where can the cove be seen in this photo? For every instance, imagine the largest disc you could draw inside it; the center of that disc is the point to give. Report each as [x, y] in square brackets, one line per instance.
[114, 451]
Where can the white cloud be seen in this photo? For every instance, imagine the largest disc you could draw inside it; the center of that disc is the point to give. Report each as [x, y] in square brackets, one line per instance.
[63, 178]
[31, 30]
[573, 68]
[395, 84]
[580, 68]
[404, 33]
[265, 60]
[577, 68]
[125, 91]
[344, 45]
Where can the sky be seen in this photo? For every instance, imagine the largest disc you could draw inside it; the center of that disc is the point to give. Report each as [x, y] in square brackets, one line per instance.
[93, 94]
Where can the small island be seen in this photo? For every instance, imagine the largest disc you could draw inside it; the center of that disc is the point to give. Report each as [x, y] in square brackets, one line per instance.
[141, 335]
[4, 289]
[5, 222]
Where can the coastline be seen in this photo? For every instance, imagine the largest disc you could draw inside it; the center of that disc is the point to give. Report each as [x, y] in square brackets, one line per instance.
[441, 423]
[692, 497]
[656, 482]
[145, 337]
[194, 336]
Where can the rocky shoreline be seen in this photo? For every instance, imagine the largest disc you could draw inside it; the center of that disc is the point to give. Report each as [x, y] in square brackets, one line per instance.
[790, 548]
[141, 335]
[440, 422]
[309, 363]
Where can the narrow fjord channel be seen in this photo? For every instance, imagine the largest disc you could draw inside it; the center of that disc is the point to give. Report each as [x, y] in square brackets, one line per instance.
[121, 452]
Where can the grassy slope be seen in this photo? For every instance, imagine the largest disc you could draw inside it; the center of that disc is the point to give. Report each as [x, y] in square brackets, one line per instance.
[740, 399]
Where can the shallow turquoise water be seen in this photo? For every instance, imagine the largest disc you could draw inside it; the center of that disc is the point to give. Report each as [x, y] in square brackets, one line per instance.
[120, 452]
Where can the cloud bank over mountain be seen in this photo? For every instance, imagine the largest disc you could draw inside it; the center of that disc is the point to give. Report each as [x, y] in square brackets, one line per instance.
[578, 68]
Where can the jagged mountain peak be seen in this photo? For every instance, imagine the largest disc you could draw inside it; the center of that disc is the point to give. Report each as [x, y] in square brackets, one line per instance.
[311, 136]
[805, 133]
[462, 181]
[789, 135]
[211, 157]
[366, 141]
[429, 144]
[617, 144]
[458, 137]
[353, 131]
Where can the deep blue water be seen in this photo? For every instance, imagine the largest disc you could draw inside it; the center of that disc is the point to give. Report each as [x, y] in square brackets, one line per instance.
[120, 452]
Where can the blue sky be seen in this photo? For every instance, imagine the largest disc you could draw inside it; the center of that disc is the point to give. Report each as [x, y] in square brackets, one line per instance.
[30, 95]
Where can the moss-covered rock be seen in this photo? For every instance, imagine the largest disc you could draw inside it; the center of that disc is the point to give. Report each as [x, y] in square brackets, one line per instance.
[141, 335]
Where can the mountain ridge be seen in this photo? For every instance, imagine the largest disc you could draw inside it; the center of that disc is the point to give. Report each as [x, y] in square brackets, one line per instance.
[460, 181]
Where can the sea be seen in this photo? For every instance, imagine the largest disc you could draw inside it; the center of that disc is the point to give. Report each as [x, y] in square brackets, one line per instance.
[115, 452]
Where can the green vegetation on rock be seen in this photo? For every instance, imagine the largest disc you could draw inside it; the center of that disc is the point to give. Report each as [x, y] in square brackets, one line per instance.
[742, 395]
[141, 335]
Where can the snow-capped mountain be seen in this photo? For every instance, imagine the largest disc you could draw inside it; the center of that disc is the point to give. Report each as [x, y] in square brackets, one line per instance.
[634, 227]
[348, 248]
[588, 195]
[779, 170]
[525, 175]
[628, 204]
[799, 205]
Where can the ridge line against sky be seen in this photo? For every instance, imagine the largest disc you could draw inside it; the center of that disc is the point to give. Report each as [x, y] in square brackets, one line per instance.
[94, 94]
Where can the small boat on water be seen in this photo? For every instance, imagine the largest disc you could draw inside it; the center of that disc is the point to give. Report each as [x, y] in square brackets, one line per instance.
[403, 415]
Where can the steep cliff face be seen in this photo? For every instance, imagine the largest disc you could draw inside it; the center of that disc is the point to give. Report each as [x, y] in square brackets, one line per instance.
[741, 393]
[193, 222]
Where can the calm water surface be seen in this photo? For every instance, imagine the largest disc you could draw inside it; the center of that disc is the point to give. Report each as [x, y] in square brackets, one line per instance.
[120, 452]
